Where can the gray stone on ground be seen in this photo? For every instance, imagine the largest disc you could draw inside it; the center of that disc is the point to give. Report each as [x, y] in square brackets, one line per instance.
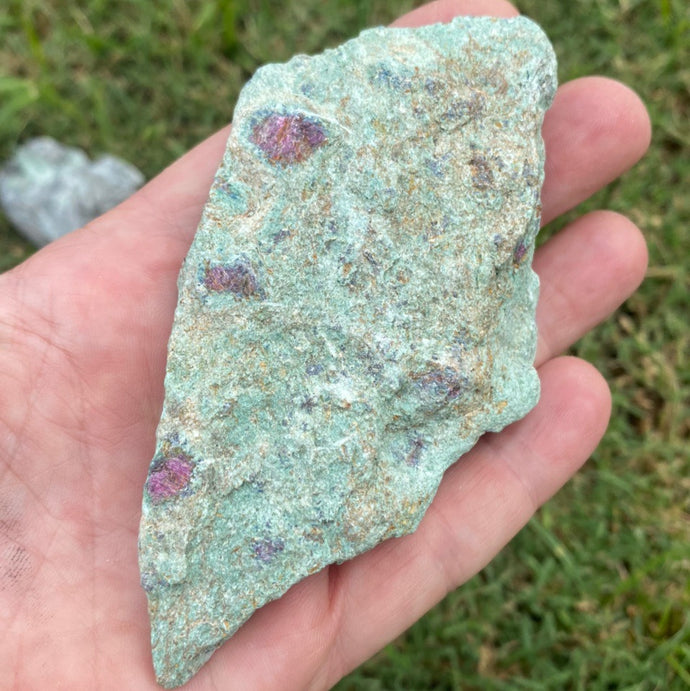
[48, 190]
[356, 309]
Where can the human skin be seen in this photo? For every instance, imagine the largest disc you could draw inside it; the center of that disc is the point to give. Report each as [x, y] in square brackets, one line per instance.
[84, 325]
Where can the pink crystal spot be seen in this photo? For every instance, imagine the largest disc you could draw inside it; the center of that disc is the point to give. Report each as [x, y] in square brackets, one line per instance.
[169, 477]
[289, 138]
[237, 278]
[265, 549]
[519, 252]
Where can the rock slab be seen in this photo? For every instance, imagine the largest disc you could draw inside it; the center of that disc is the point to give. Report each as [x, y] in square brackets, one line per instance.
[48, 190]
[356, 309]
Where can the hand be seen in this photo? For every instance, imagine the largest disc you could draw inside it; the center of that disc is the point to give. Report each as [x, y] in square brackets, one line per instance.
[83, 331]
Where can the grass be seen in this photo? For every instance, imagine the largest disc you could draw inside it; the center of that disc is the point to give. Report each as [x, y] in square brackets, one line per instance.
[595, 592]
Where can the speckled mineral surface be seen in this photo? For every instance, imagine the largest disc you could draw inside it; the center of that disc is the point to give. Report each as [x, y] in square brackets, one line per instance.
[356, 309]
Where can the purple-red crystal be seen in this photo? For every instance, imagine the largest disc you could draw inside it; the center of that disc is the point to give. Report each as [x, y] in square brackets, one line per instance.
[288, 138]
[265, 549]
[237, 278]
[519, 252]
[169, 477]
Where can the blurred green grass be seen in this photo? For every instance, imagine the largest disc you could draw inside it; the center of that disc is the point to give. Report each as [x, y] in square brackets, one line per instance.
[595, 592]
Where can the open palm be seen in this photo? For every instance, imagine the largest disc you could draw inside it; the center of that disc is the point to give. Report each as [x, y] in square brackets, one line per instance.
[83, 332]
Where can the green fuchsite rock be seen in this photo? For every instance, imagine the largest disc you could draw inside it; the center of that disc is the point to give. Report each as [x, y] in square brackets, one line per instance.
[356, 309]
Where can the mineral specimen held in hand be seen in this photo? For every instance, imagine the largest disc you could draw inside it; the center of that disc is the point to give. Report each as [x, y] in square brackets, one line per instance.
[356, 309]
